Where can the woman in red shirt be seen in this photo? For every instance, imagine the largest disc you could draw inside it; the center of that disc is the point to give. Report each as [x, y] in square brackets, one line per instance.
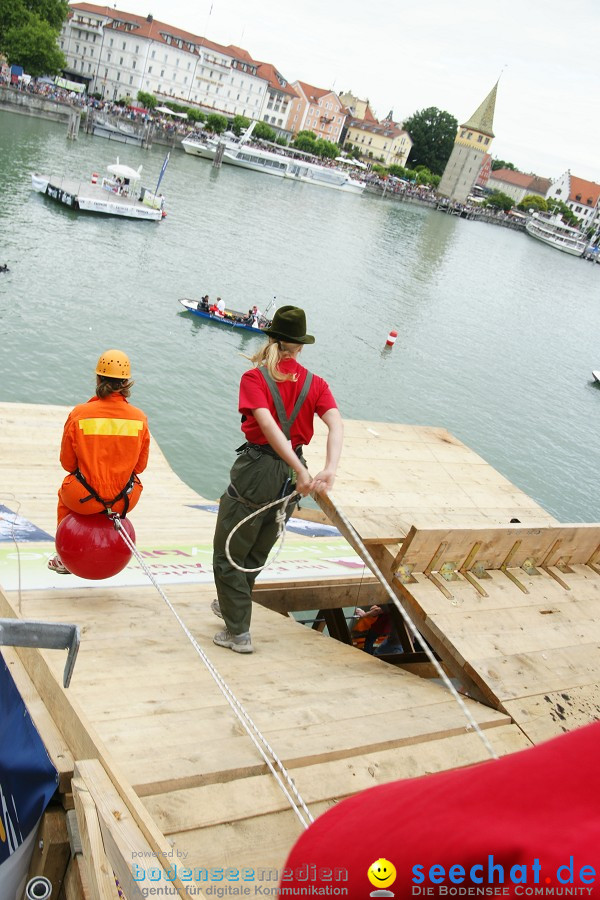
[278, 401]
[104, 447]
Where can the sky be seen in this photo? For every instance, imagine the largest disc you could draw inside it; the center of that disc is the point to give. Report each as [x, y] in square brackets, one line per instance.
[444, 53]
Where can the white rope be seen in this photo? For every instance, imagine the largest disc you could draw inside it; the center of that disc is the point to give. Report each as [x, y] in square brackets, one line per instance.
[414, 630]
[257, 738]
[279, 518]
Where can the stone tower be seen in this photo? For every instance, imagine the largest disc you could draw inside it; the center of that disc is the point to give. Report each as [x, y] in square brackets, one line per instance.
[472, 142]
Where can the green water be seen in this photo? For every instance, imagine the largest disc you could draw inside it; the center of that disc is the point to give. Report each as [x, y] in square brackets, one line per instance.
[498, 334]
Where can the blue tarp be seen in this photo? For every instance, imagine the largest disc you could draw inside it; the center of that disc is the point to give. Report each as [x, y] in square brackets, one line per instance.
[27, 777]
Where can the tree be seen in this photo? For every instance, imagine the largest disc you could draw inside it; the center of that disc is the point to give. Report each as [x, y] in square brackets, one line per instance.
[303, 142]
[148, 101]
[432, 131]
[216, 123]
[195, 115]
[559, 206]
[499, 200]
[263, 132]
[28, 34]
[239, 124]
[326, 149]
[533, 201]
[501, 164]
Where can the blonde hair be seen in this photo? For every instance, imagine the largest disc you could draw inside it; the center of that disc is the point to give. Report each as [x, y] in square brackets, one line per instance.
[271, 354]
[106, 386]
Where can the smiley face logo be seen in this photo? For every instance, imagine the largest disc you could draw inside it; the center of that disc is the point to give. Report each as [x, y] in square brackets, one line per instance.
[382, 873]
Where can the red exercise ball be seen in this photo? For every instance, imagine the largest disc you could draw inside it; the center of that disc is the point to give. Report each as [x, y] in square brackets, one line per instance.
[91, 547]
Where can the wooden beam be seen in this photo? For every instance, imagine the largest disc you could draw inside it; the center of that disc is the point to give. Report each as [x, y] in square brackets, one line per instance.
[100, 875]
[51, 851]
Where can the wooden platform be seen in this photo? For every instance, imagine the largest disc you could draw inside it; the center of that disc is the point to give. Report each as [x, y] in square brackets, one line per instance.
[150, 752]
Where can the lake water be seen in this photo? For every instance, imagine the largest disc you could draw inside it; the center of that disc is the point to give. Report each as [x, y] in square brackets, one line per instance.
[497, 334]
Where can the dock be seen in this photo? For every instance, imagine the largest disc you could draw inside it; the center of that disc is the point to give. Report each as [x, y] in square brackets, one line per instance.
[97, 197]
[156, 770]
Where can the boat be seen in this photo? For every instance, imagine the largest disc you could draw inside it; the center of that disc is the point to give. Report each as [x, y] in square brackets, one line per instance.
[283, 166]
[118, 131]
[117, 194]
[596, 375]
[206, 148]
[231, 318]
[550, 229]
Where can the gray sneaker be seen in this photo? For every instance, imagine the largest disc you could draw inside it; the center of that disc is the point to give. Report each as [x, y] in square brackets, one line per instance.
[240, 643]
[216, 608]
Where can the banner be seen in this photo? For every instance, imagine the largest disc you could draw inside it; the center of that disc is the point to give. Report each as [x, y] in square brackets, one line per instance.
[27, 782]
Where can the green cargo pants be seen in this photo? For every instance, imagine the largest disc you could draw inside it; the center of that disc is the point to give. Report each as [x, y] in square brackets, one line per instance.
[259, 478]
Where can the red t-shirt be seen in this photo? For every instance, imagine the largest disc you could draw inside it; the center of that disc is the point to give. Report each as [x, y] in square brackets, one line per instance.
[255, 394]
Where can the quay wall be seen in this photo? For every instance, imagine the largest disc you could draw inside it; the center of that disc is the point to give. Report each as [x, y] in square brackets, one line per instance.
[13, 100]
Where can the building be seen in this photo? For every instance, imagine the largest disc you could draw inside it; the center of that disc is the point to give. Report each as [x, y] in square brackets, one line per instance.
[318, 110]
[485, 171]
[357, 108]
[517, 184]
[582, 197]
[385, 142]
[279, 97]
[118, 54]
[472, 142]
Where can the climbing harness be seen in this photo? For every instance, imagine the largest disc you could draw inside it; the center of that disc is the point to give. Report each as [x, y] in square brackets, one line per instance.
[108, 504]
[273, 762]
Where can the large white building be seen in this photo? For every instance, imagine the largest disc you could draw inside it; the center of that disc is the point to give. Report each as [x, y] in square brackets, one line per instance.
[118, 54]
[581, 196]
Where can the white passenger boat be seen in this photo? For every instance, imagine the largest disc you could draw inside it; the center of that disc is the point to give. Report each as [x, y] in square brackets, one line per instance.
[553, 231]
[206, 148]
[271, 163]
[117, 194]
[122, 132]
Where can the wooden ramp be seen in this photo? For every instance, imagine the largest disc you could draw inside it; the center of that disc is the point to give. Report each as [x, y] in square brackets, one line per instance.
[150, 754]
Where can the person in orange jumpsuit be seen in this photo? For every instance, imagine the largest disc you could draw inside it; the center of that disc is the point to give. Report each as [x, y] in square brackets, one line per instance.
[104, 447]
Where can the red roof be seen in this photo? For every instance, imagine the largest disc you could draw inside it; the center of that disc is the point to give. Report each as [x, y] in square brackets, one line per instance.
[585, 192]
[155, 29]
[314, 93]
[275, 78]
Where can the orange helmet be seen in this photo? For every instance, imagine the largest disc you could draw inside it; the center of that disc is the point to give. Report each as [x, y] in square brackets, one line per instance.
[114, 364]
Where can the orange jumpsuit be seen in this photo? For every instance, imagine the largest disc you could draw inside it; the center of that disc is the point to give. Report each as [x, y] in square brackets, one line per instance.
[108, 441]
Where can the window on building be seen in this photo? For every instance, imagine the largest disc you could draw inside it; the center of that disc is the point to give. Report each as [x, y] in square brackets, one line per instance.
[469, 135]
[162, 73]
[121, 61]
[110, 43]
[149, 70]
[124, 45]
[109, 56]
[137, 46]
[153, 54]
[77, 48]
[131, 79]
[89, 67]
[479, 138]
[133, 64]
[118, 76]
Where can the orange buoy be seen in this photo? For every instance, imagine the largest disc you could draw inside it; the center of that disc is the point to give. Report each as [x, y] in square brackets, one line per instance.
[94, 178]
[391, 339]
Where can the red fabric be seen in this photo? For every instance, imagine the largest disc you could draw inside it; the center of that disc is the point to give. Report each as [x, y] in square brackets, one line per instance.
[255, 394]
[539, 804]
[106, 460]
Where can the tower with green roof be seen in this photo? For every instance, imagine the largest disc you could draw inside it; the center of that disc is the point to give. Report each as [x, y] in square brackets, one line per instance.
[473, 140]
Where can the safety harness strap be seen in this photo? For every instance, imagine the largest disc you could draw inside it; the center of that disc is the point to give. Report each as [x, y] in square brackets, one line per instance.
[107, 504]
[285, 422]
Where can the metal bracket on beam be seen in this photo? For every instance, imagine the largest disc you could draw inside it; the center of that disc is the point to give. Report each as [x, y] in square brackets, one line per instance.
[43, 635]
[404, 575]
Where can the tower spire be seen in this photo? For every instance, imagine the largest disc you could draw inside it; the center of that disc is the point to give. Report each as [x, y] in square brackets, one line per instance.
[482, 119]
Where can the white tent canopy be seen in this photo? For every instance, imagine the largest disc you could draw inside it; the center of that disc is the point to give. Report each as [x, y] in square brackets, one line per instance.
[351, 162]
[170, 112]
[121, 171]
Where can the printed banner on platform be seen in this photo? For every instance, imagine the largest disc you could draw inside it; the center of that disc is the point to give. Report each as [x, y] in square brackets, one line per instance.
[315, 558]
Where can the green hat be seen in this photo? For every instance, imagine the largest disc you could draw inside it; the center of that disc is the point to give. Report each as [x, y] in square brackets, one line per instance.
[289, 324]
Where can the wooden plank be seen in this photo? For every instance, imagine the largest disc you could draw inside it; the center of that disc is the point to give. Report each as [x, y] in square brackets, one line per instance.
[126, 849]
[495, 546]
[51, 850]
[81, 737]
[202, 807]
[546, 715]
[100, 875]
[76, 886]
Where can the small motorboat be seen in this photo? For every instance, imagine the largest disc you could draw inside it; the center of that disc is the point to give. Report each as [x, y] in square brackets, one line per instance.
[596, 374]
[231, 318]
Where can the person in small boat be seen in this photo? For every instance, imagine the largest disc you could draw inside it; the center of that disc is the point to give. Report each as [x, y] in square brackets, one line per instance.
[4, 268]
[220, 311]
[104, 447]
[278, 401]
